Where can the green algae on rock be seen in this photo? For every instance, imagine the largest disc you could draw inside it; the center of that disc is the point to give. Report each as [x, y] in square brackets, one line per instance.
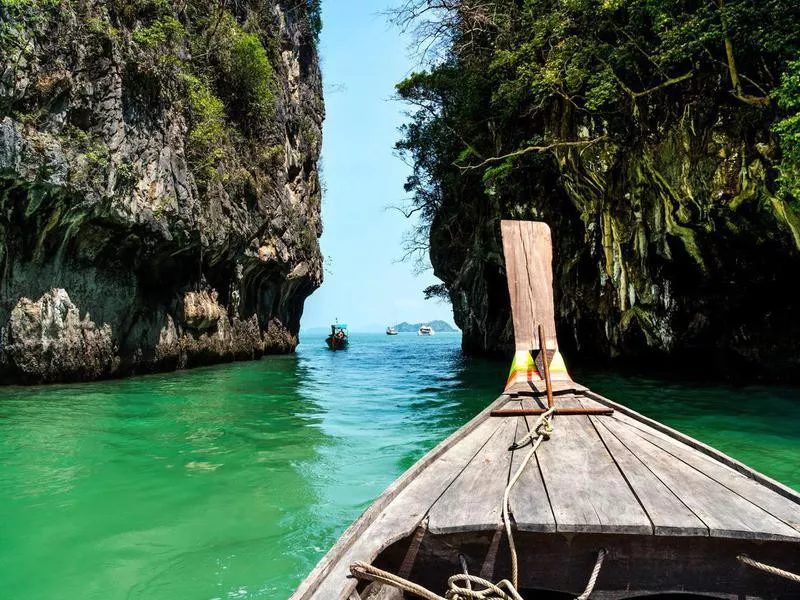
[158, 183]
[659, 158]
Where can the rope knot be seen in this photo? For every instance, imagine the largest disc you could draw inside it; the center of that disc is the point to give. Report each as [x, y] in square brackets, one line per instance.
[544, 428]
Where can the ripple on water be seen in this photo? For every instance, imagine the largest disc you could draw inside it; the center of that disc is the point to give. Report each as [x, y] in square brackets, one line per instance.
[231, 482]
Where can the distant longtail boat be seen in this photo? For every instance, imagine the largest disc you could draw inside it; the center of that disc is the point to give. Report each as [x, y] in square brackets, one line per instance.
[338, 339]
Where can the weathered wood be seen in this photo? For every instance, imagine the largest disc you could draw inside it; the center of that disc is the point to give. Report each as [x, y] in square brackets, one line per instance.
[586, 489]
[490, 558]
[538, 388]
[529, 257]
[528, 501]
[523, 412]
[778, 506]
[768, 482]
[364, 539]
[725, 514]
[473, 501]
[667, 513]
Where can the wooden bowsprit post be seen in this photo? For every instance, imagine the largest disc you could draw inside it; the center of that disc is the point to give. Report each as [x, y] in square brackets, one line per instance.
[528, 250]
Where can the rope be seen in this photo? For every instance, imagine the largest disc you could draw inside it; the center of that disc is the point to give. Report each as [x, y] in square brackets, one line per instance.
[464, 586]
[362, 570]
[768, 568]
[593, 577]
[541, 430]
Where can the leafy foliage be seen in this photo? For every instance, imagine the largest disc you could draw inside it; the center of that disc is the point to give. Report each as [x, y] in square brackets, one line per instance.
[207, 118]
[515, 88]
[246, 70]
[165, 31]
[788, 130]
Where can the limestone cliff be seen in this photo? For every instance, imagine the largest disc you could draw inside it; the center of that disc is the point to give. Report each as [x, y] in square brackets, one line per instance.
[670, 247]
[159, 194]
[661, 141]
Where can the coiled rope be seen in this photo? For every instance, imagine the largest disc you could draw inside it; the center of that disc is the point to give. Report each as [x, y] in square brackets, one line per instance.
[464, 586]
[768, 568]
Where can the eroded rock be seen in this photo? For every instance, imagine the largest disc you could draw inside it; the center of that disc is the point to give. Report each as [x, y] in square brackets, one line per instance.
[107, 195]
[49, 341]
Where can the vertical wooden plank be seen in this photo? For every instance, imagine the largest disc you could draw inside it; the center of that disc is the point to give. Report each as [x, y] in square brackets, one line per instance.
[528, 500]
[528, 251]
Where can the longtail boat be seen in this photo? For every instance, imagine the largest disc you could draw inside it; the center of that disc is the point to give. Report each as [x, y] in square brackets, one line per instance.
[554, 488]
[338, 339]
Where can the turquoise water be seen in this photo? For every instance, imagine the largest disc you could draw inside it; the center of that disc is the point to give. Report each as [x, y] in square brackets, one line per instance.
[232, 481]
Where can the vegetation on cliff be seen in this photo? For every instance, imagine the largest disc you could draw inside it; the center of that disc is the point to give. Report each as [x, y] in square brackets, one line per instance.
[659, 138]
[150, 150]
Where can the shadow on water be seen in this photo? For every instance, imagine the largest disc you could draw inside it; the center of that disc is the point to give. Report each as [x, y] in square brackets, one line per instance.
[232, 481]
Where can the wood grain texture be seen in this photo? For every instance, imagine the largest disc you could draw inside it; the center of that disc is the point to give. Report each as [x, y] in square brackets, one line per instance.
[726, 514]
[528, 251]
[586, 489]
[474, 501]
[622, 411]
[528, 501]
[776, 505]
[667, 513]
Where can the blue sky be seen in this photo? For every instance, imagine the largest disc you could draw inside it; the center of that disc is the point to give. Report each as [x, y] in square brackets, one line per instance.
[363, 58]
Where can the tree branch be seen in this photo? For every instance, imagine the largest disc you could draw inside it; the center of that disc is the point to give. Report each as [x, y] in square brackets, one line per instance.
[528, 149]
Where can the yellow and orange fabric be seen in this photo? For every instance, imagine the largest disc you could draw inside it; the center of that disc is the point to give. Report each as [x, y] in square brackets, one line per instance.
[524, 369]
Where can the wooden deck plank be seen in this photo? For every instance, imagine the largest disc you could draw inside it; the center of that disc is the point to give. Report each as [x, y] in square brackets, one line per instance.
[528, 502]
[408, 508]
[778, 506]
[473, 501]
[623, 411]
[586, 489]
[529, 257]
[726, 514]
[667, 513]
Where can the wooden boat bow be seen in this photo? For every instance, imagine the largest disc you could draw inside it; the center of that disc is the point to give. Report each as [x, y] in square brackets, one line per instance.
[673, 513]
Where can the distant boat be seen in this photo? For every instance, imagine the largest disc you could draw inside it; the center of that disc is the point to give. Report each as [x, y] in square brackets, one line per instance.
[338, 339]
[391, 331]
[426, 330]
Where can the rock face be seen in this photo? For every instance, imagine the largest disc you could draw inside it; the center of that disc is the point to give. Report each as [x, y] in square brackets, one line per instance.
[159, 194]
[672, 248]
[48, 340]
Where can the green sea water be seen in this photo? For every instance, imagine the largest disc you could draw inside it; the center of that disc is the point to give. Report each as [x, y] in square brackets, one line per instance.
[232, 481]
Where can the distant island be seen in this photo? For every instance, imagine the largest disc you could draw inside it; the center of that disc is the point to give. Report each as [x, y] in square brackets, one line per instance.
[438, 327]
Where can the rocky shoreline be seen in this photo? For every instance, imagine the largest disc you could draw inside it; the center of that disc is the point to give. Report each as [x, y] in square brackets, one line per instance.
[159, 193]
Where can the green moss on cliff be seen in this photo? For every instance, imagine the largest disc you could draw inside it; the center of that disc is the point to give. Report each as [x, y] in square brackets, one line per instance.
[660, 139]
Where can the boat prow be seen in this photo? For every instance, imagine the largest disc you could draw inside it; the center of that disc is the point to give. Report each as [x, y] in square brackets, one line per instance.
[646, 508]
